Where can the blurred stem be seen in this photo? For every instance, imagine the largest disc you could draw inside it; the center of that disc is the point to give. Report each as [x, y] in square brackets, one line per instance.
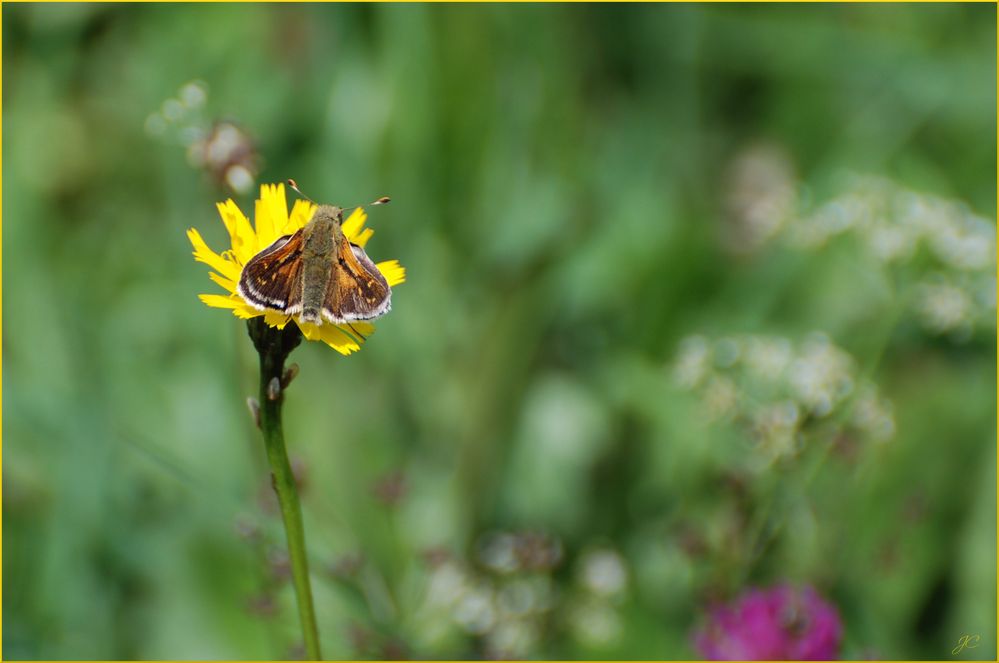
[760, 537]
[274, 345]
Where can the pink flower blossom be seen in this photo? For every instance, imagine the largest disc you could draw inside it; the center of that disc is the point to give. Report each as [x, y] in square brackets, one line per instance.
[780, 623]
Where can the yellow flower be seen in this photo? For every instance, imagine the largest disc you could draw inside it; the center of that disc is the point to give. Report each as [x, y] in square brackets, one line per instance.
[273, 221]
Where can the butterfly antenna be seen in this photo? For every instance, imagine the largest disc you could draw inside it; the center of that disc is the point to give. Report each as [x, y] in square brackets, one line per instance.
[294, 187]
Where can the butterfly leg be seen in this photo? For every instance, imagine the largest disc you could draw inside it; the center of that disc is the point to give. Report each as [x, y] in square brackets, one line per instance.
[359, 334]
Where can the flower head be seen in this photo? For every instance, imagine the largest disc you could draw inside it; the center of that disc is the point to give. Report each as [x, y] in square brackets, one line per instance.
[272, 220]
[780, 623]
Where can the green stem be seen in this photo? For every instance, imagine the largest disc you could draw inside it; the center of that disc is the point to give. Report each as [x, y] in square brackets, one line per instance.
[882, 338]
[274, 346]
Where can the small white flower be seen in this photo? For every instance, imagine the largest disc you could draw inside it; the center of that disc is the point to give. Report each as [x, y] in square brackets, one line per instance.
[821, 376]
[720, 397]
[776, 429]
[603, 572]
[762, 196]
[172, 110]
[446, 584]
[693, 362]
[239, 178]
[767, 357]
[498, 552]
[944, 307]
[512, 639]
[891, 242]
[966, 242]
[193, 94]
[873, 416]
[476, 611]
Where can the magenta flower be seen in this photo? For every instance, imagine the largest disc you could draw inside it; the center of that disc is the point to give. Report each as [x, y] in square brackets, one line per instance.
[780, 623]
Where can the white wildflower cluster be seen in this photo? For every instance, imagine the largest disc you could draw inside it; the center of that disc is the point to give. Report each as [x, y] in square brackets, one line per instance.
[221, 148]
[506, 595]
[957, 291]
[503, 598]
[181, 116]
[594, 613]
[774, 388]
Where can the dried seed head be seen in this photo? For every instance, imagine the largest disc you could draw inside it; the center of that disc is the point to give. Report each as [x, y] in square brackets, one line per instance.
[289, 375]
[254, 406]
[274, 389]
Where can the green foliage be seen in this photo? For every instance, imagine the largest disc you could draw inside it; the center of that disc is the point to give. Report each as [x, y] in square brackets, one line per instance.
[561, 184]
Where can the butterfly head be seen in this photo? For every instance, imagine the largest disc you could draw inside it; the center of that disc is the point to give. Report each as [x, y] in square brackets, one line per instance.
[328, 214]
[323, 232]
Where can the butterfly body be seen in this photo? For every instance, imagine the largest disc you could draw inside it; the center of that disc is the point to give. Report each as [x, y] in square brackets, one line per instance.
[316, 273]
[320, 239]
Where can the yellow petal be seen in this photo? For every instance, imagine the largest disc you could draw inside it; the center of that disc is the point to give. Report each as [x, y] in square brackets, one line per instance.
[276, 319]
[330, 335]
[334, 337]
[393, 272]
[364, 328]
[272, 211]
[245, 312]
[202, 253]
[309, 331]
[301, 213]
[228, 284]
[362, 237]
[352, 226]
[266, 233]
[221, 301]
[244, 240]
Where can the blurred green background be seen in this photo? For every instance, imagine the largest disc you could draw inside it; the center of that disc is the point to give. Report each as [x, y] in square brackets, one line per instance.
[508, 467]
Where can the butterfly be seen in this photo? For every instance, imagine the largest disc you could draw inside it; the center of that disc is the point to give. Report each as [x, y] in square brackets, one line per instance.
[318, 274]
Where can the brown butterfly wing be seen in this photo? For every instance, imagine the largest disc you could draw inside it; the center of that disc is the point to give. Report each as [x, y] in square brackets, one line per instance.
[357, 290]
[272, 279]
